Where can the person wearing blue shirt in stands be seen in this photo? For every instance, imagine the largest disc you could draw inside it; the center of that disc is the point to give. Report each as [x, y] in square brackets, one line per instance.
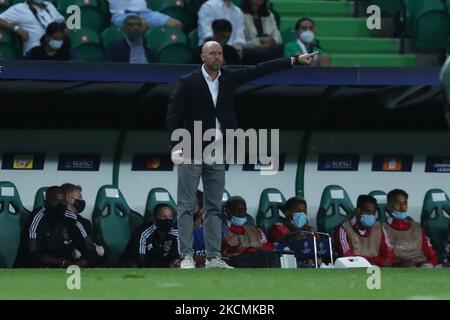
[132, 48]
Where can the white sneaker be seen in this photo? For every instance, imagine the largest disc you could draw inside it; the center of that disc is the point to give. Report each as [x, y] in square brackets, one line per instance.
[187, 263]
[217, 263]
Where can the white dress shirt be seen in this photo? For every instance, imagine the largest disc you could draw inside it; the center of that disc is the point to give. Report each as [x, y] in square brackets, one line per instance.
[213, 86]
[218, 9]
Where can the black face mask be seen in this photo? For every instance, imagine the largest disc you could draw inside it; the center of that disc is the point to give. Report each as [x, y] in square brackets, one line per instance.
[79, 205]
[164, 224]
[58, 210]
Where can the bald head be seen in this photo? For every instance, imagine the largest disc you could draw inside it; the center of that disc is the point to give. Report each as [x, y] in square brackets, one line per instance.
[211, 45]
[212, 56]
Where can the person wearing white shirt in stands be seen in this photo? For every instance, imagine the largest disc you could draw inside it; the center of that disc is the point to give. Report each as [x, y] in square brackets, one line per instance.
[29, 20]
[221, 9]
[120, 9]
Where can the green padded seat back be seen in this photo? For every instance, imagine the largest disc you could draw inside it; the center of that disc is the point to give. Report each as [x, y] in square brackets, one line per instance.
[113, 221]
[39, 198]
[271, 202]
[335, 206]
[12, 216]
[381, 204]
[158, 196]
[435, 218]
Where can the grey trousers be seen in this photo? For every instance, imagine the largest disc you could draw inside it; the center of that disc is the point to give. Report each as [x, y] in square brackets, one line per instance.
[213, 179]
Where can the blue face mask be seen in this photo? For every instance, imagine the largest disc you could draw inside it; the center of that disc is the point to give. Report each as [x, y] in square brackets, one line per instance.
[367, 220]
[397, 215]
[299, 219]
[55, 44]
[239, 222]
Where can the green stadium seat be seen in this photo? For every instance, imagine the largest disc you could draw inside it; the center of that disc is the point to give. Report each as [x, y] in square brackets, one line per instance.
[237, 2]
[92, 15]
[382, 204]
[86, 45]
[113, 221]
[428, 22]
[158, 196]
[179, 53]
[104, 5]
[8, 46]
[177, 9]
[193, 40]
[435, 218]
[288, 35]
[161, 37]
[4, 4]
[169, 44]
[39, 198]
[12, 217]
[271, 202]
[111, 34]
[389, 6]
[335, 206]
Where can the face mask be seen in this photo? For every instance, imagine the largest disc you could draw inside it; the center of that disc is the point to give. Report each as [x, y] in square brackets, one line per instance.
[79, 205]
[307, 36]
[164, 224]
[57, 210]
[239, 222]
[397, 215]
[55, 44]
[299, 219]
[367, 220]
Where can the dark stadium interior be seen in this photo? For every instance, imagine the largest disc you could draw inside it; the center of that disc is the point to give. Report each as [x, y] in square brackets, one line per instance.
[268, 107]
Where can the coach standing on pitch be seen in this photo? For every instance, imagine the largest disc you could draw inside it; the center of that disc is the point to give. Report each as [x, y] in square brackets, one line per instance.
[207, 95]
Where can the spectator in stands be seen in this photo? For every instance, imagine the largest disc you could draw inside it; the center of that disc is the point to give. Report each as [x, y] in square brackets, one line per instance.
[120, 9]
[222, 30]
[295, 211]
[84, 239]
[54, 44]
[362, 235]
[307, 43]
[242, 238]
[29, 20]
[412, 248]
[46, 239]
[263, 39]
[222, 9]
[132, 48]
[154, 245]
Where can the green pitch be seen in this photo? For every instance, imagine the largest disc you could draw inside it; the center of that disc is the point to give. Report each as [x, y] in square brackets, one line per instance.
[240, 284]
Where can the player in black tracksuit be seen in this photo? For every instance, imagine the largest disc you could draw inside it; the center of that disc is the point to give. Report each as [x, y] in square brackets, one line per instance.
[50, 239]
[154, 245]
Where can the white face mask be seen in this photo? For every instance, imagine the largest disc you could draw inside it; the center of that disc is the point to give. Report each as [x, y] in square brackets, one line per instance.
[307, 36]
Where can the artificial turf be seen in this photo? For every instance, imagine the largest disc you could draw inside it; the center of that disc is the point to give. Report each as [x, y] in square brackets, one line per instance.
[241, 284]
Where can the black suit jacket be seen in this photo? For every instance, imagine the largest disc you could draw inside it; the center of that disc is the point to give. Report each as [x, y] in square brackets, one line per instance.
[192, 101]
